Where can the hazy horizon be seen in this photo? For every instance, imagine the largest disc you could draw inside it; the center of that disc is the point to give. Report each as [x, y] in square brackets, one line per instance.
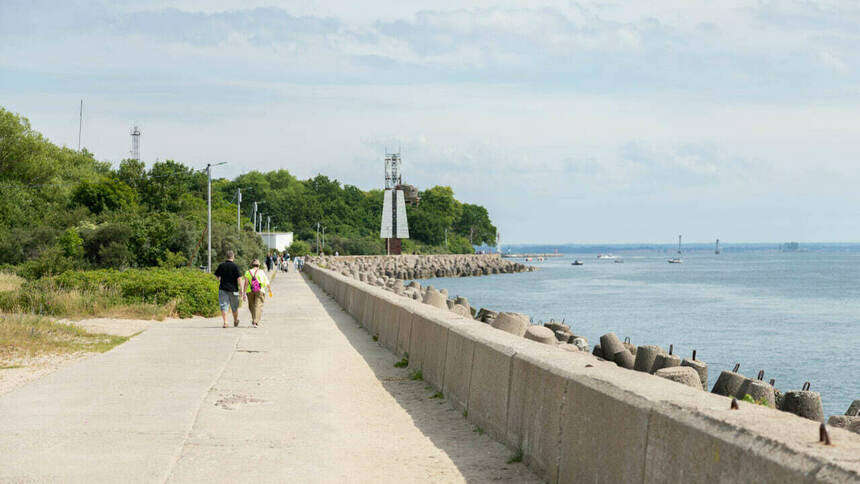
[569, 121]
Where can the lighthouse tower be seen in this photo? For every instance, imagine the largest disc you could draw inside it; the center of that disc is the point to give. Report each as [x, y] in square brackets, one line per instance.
[394, 224]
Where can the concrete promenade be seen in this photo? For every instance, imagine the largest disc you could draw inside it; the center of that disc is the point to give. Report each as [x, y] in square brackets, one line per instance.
[308, 397]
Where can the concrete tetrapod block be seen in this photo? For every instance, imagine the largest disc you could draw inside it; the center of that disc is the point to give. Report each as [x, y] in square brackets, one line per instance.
[849, 423]
[757, 390]
[623, 359]
[597, 351]
[645, 356]
[853, 409]
[681, 374]
[435, 298]
[461, 310]
[804, 403]
[603, 433]
[701, 368]
[610, 344]
[541, 335]
[458, 367]
[514, 323]
[728, 383]
[665, 361]
[534, 412]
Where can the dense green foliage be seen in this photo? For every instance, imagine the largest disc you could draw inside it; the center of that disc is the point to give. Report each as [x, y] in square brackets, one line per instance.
[194, 292]
[64, 210]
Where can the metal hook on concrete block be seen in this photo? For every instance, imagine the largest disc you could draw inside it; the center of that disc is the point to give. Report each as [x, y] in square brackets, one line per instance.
[824, 434]
[737, 367]
[694, 355]
[671, 348]
[760, 375]
[806, 386]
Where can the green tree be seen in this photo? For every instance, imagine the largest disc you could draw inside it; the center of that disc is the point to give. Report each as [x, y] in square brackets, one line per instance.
[104, 195]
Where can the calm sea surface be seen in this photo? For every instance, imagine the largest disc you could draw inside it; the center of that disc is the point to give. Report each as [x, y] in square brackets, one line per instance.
[795, 315]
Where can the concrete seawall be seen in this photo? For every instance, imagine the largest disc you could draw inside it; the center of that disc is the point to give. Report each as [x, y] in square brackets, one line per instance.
[579, 419]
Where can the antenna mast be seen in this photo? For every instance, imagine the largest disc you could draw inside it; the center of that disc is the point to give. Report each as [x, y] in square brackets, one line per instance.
[135, 143]
[80, 123]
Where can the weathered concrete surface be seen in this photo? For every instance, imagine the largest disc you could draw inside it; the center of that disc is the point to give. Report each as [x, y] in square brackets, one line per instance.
[308, 397]
[614, 425]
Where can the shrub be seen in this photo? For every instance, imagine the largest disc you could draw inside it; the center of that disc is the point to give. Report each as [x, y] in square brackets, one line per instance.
[195, 292]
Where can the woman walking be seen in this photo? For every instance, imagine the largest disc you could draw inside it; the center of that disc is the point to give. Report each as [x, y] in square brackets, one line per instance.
[255, 286]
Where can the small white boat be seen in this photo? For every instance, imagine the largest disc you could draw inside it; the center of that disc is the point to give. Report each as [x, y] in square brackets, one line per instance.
[619, 261]
[605, 256]
[577, 262]
[677, 260]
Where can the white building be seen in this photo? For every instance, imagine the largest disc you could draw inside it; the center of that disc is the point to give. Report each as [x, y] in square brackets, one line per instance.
[277, 240]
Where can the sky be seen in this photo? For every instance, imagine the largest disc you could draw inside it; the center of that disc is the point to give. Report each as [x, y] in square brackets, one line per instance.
[572, 122]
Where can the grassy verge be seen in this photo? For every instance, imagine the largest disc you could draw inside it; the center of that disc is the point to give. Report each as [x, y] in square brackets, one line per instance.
[24, 335]
[50, 299]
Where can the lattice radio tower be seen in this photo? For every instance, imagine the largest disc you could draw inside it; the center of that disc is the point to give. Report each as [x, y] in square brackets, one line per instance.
[135, 143]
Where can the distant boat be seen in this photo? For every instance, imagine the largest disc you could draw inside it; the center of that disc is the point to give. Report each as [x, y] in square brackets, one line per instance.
[605, 256]
[677, 260]
[717, 250]
[619, 261]
[577, 262]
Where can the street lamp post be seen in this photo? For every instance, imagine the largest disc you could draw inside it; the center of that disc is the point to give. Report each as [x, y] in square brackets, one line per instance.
[209, 213]
[323, 246]
[239, 210]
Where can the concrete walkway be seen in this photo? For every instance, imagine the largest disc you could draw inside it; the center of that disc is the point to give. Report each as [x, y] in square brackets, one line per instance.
[308, 397]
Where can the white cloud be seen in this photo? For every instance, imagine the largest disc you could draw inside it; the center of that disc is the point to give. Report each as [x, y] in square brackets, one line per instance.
[607, 111]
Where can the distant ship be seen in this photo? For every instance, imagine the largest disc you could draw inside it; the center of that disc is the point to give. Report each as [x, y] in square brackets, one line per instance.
[677, 260]
[605, 256]
[717, 250]
[577, 262]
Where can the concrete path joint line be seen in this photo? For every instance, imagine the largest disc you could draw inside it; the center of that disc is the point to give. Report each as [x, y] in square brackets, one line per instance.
[190, 429]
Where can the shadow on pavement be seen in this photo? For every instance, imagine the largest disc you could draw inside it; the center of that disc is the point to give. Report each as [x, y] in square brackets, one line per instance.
[477, 457]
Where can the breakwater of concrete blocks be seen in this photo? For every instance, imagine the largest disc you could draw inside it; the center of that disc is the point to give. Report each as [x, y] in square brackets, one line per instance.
[372, 269]
[577, 416]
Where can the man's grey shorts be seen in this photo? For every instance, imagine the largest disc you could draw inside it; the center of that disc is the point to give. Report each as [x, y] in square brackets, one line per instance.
[228, 299]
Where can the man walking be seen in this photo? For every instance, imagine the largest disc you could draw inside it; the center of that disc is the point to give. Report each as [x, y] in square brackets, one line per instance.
[229, 280]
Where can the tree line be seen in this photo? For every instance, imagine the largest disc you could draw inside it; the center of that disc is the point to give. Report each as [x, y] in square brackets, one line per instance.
[62, 209]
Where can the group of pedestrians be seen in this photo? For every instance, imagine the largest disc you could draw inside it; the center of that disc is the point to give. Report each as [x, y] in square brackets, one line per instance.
[254, 284]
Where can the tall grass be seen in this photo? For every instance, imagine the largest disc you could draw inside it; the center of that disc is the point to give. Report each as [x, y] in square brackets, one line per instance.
[9, 282]
[47, 298]
[23, 335]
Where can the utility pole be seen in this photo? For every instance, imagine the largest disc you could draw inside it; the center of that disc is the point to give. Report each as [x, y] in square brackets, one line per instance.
[260, 221]
[318, 238]
[209, 213]
[323, 246]
[239, 210]
[80, 123]
[269, 224]
[254, 220]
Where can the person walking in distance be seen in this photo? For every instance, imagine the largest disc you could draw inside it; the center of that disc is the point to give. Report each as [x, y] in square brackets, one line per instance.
[269, 262]
[255, 286]
[229, 280]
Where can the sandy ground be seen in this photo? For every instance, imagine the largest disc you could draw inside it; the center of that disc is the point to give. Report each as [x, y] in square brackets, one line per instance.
[27, 369]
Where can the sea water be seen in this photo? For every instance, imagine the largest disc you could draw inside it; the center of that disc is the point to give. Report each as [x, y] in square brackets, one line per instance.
[795, 315]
